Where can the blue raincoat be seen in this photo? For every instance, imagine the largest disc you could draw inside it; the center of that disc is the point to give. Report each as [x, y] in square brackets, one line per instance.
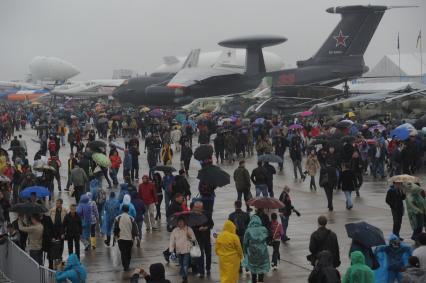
[127, 201]
[391, 261]
[84, 210]
[73, 271]
[111, 211]
[256, 256]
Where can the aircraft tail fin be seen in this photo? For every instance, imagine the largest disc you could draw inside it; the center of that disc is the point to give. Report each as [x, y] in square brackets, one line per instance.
[352, 34]
[192, 59]
[263, 90]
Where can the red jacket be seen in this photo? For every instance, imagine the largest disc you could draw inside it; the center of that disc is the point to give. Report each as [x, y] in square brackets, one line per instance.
[115, 161]
[147, 193]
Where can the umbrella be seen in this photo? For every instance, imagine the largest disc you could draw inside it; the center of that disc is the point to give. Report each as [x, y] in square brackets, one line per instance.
[372, 122]
[371, 141]
[40, 191]
[214, 176]
[117, 145]
[44, 167]
[28, 208]
[227, 120]
[350, 114]
[319, 141]
[4, 179]
[344, 124]
[366, 234]
[270, 158]
[404, 179]
[144, 109]
[96, 145]
[102, 120]
[266, 202]
[192, 218]
[165, 168]
[377, 127]
[203, 152]
[259, 121]
[156, 113]
[73, 117]
[101, 159]
[116, 118]
[306, 113]
[295, 127]
[180, 117]
[401, 133]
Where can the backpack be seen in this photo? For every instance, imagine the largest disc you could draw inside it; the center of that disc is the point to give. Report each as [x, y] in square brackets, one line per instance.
[116, 229]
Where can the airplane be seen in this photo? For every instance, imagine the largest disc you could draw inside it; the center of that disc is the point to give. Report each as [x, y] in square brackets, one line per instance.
[339, 59]
[21, 91]
[87, 89]
[137, 90]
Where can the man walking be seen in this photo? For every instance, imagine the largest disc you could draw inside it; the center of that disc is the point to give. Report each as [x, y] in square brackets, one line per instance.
[79, 179]
[148, 194]
[259, 177]
[125, 231]
[323, 239]
[395, 199]
[72, 230]
[242, 183]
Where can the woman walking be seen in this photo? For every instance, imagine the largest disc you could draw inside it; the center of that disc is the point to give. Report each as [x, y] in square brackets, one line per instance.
[312, 166]
[181, 240]
[256, 256]
[228, 249]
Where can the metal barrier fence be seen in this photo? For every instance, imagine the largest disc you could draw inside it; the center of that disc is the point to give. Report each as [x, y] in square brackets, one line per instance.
[19, 267]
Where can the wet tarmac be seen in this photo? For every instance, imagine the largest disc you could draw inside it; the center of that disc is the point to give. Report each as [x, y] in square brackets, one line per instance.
[103, 263]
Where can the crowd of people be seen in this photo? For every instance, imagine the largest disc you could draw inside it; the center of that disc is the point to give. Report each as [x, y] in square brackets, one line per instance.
[106, 145]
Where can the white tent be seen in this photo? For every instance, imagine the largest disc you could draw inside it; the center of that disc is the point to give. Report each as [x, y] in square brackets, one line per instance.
[410, 68]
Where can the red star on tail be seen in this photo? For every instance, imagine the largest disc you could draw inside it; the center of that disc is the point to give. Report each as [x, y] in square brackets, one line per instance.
[340, 39]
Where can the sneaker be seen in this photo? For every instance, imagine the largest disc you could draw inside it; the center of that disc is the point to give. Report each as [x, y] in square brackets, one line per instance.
[106, 243]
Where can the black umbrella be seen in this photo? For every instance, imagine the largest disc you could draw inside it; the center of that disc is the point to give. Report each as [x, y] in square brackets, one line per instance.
[348, 139]
[270, 158]
[366, 234]
[203, 152]
[192, 218]
[96, 144]
[343, 124]
[165, 168]
[214, 176]
[319, 141]
[28, 208]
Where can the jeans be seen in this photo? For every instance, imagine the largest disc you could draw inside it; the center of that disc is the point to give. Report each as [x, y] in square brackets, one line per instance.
[378, 167]
[348, 196]
[113, 174]
[271, 189]
[125, 247]
[397, 221]
[140, 224]
[206, 250]
[297, 164]
[184, 264]
[134, 173]
[284, 223]
[37, 255]
[74, 242]
[276, 252]
[261, 190]
[329, 194]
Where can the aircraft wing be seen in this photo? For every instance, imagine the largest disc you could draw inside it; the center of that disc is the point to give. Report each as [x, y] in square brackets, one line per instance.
[191, 76]
[421, 91]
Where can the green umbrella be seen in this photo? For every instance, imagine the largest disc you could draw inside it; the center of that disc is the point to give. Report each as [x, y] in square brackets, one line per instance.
[101, 159]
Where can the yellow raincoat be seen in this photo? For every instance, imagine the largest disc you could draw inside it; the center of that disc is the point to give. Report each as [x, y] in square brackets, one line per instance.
[228, 249]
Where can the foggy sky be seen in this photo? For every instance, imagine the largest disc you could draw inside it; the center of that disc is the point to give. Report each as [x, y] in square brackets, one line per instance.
[101, 35]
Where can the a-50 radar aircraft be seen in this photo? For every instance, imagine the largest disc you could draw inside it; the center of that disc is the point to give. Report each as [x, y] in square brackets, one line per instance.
[339, 59]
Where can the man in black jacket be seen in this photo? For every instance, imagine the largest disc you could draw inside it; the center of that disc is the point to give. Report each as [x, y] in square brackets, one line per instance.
[395, 199]
[241, 220]
[270, 178]
[73, 230]
[324, 239]
[259, 177]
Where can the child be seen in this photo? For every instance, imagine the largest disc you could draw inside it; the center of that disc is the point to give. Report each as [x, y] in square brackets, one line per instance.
[276, 232]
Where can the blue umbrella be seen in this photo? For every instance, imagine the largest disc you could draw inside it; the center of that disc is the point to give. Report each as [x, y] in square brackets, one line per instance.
[259, 121]
[180, 118]
[366, 234]
[401, 133]
[40, 192]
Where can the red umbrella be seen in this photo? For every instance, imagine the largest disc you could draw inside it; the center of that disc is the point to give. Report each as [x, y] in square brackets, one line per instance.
[266, 202]
[306, 113]
[371, 141]
[116, 118]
